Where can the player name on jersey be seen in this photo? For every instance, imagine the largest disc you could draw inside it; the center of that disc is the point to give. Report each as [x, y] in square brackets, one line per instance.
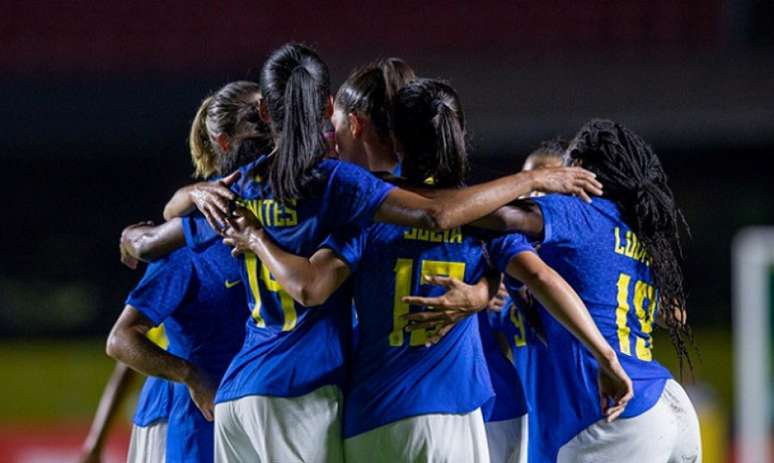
[630, 246]
[453, 236]
[272, 213]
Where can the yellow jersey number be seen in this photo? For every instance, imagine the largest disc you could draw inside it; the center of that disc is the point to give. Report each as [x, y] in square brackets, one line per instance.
[404, 270]
[642, 292]
[287, 303]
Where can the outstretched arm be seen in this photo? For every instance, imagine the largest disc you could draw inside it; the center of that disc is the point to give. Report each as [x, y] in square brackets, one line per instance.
[446, 209]
[146, 242]
[129, 344]
[309, 281]
[564, 304]
[115, 393]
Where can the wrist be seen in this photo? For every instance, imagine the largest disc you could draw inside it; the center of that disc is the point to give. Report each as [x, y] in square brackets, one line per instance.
[531, 179]
[190, 374]
[482, 295]
[254, 237]
[606, 357]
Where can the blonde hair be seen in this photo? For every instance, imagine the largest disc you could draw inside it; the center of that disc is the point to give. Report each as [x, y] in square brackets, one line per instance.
[203, 153]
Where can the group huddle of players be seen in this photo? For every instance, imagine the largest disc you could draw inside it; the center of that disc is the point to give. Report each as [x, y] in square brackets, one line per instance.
[399, 315]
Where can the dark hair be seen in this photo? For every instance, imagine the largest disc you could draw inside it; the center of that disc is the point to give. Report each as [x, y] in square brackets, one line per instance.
[222, 113]
[635, 180]
[371, 90]
[430, 126]
[295, 86]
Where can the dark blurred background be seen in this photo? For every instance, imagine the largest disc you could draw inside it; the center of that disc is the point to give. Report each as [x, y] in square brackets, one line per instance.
[97, 99]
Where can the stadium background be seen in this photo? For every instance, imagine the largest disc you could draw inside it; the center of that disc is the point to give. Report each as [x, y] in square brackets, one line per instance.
[97, 101]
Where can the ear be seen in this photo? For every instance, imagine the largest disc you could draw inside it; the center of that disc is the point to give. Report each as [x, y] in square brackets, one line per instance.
[355, 125]
[263, 111]
[329, 107]
[224, 142]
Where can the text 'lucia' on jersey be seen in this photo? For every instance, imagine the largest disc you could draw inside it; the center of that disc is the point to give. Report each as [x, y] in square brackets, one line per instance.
[447, 236]
[272, 213]
[629, 246]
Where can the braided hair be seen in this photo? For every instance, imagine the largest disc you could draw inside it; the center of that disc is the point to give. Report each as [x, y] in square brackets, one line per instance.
[635, 180]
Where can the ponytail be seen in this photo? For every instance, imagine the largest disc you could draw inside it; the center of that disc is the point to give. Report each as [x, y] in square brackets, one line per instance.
[301, 144]
[203, 156]
[295, 86]
[430, 126]
[450, 148]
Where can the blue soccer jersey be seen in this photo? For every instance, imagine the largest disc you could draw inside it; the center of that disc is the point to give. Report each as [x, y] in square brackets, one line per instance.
[393, 376]
[291, 350]
[201, 301]
[591, 247]
[509, 402]
[154, 403]
[520, 323]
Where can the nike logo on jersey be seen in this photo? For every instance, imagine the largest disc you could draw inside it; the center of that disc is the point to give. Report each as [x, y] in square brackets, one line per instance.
[231, 284]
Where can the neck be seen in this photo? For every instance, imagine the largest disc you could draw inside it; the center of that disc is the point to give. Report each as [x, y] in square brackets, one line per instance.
[381, 156]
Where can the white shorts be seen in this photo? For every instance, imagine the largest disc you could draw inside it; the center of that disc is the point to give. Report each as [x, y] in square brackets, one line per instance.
[437, 438]
[148, 443]
[507, 440]
[280, 429]
[667, 433]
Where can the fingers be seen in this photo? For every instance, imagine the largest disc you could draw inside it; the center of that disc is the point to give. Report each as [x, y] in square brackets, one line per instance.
[230, 179]
[438, 335]
[208, 411]
[438, 302]
[581, 193]
[439, 280]
[129, 261]
[614, 412]
[427, 315]
[502, 291]
[215, 217]
[219, 202]
[428, 325]
[496, 304]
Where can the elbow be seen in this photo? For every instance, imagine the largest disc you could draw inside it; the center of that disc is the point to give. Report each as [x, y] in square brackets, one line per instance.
[308, 297]
[119, 344]
[436, 218]
[113, 346]
[168, 214]
[142, 247]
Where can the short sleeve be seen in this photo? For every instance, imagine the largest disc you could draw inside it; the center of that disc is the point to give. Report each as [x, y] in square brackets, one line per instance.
[503, 248]
[198, 233]
[348, 246]
[354, 194]
[563, 218]
[163, 287]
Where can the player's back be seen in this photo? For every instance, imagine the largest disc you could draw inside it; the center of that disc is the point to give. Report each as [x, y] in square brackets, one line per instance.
[592, 248]
[291, 349]
[393, 374]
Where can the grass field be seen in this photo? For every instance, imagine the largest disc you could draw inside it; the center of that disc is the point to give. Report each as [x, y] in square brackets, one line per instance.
[52, 380]
[62, 380]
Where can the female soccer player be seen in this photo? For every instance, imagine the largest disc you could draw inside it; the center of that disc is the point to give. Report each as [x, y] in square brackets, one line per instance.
[362, 113]
[199, 298]
[622, 254]
[407, 402]
[293, 358]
